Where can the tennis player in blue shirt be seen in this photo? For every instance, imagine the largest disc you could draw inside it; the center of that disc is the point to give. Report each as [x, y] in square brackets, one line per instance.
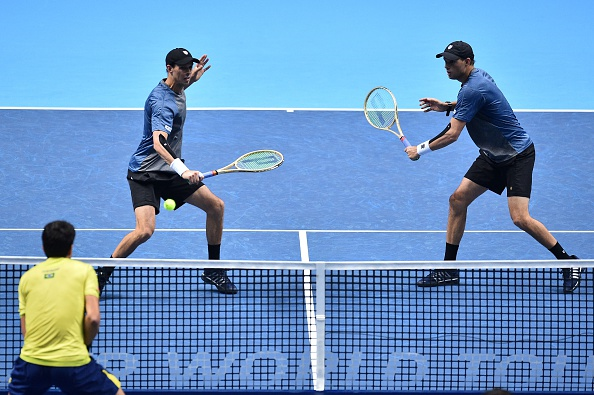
[156, 171]
[505, 161]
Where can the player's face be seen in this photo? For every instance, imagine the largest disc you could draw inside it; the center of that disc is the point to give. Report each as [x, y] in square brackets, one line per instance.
[181, 74]
[456, 69]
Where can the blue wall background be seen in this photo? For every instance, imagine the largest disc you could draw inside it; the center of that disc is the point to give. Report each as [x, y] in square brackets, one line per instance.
[292, 54]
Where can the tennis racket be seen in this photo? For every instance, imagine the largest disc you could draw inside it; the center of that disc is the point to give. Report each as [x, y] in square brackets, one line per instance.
[252, 162]
[381, 112]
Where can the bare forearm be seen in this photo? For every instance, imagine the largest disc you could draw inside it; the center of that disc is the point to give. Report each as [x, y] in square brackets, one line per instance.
[162, 147]
[91, 328]
[23, 326]
[443, 140]
[92, 318]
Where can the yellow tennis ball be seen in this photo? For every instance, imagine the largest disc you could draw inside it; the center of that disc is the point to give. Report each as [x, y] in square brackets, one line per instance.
[169, 204]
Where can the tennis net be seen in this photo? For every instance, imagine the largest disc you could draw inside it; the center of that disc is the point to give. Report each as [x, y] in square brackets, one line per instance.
[507, 324]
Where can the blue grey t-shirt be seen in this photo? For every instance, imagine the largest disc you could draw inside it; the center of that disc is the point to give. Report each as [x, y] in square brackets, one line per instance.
[164, 110]
[490, 120]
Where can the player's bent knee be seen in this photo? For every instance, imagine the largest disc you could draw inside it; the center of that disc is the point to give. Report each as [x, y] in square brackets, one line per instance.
[220, 206]
[456, 202]
[216, 207]
[521, 221]
[144, 234]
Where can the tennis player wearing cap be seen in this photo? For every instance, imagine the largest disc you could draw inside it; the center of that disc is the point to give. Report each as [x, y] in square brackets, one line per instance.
[156, 170]
[505, 161]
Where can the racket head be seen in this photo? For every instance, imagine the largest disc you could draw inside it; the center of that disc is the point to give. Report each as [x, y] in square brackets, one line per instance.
[257, 161]
[381, 109]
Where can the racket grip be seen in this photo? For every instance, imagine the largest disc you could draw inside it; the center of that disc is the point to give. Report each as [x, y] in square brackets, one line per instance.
[405, 141]
[209, 174]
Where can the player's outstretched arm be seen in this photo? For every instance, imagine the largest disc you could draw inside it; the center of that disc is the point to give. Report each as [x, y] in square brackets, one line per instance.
[430, 104]
[447, 136]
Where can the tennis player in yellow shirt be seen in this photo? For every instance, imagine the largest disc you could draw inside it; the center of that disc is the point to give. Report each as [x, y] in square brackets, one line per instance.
[59, 310]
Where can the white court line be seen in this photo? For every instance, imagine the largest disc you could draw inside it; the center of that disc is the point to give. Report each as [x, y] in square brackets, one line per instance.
[292, 230]
[310, 308]
[288, 109]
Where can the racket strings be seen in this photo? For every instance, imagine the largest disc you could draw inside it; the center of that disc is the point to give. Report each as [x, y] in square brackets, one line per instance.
[381, 109]
[259, 160]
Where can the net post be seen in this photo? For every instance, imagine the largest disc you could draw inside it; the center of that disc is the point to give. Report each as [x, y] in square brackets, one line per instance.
[320, 326]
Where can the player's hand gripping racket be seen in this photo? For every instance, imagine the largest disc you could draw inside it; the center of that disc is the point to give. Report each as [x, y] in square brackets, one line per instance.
[252, 162]
[381, 112]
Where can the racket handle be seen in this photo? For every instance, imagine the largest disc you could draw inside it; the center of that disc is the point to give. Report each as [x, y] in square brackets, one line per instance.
[210, 174]
[405, 141]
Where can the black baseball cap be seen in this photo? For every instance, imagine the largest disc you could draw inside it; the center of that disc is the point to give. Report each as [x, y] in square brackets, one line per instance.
[457, 50]
[180, 57]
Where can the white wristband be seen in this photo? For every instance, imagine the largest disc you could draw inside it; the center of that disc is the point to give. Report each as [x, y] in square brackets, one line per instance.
[178, 166]
[423, 148]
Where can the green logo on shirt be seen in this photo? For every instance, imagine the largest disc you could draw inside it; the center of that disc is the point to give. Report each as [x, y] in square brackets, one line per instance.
[48, 275]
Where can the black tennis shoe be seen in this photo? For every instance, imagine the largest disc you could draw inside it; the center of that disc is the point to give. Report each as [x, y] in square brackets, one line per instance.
[103, 274]
[218, 278]
[440, 277]
[571, 277]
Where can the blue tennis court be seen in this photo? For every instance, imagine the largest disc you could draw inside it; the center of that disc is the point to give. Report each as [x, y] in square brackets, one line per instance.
[165, 330]
[339, 176]
[293, 77]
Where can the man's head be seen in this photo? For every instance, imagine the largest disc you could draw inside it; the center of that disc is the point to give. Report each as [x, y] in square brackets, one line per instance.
[57, 238]
[180, 57]
[459, 60]
[457, 50]
[179, 63]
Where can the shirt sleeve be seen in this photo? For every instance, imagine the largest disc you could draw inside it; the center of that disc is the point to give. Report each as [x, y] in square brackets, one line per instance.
[22, 299]
[468, 104]
[162, 117]
[91, 282]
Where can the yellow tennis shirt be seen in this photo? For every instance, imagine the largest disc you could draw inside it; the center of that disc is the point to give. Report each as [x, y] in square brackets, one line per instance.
[52, 299]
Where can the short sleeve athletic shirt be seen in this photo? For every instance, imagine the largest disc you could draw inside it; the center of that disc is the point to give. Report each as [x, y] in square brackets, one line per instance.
[52, 299]
[490, 120]
[164, 110]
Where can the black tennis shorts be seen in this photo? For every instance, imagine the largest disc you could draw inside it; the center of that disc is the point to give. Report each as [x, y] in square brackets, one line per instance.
[147, 188]
[514, 174]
